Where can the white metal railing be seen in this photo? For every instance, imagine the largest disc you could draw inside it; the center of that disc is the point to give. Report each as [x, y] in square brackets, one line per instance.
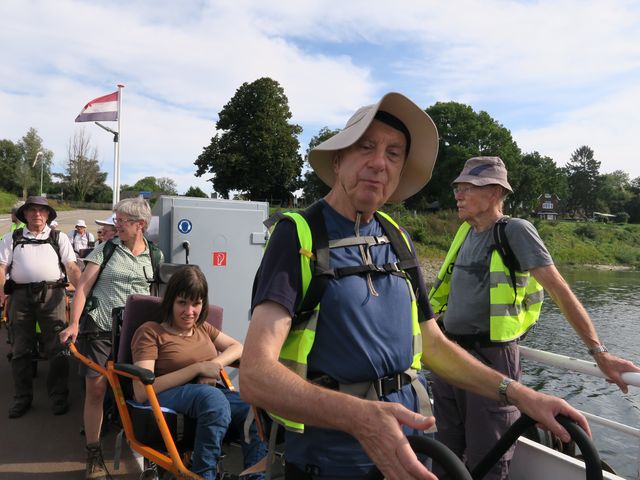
[589, 368]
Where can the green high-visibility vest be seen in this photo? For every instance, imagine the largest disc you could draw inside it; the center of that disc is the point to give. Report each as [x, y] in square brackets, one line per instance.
[513, 311]
[299, 342]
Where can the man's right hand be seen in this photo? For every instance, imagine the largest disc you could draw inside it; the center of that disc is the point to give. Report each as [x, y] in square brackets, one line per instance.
[378, 429]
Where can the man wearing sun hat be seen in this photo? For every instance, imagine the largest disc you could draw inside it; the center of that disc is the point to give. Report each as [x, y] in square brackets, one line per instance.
[482, 311]
[107, 228]
[344, 363]
[35, 259]
[81, 238]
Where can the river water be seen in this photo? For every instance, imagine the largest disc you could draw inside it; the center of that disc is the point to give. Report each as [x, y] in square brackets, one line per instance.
[612, 299]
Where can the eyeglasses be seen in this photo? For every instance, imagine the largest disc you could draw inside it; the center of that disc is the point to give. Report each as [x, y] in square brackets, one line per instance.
[122, 221]
[463, 190]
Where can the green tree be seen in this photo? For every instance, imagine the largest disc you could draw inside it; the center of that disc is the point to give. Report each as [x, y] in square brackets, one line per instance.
[314, 188]
[463, 133]
[583, 180]
[29, 169]
[82, 172]
[257, 151]
[536, 175]
[195, 192]
[614, 192]
[146, 184]
[10, 161]
[167, 186]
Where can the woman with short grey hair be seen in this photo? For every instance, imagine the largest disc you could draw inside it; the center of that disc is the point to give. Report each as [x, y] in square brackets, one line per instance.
[135, 209]
[114, 270]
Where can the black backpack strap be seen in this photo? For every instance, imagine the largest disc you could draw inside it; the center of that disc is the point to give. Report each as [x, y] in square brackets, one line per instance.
[53, 240]
[321, 268]
[501, 244]
[408, 261]
[154, 253]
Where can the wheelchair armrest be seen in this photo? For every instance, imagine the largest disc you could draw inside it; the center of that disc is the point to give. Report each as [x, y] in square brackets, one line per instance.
[146, 376]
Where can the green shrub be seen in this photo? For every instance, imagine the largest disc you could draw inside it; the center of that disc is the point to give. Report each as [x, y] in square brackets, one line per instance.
[587, 231]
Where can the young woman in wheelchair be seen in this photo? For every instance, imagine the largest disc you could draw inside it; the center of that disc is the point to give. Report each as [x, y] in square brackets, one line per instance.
[186, 354]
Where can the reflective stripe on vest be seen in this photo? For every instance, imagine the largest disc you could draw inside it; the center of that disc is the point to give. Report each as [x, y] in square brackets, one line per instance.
[512, 311]
[299, 342]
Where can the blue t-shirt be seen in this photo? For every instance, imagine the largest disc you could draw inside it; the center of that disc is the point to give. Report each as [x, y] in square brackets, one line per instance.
[359, 336]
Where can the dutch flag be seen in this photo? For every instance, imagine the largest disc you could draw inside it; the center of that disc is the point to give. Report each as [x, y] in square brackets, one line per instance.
[103, 108]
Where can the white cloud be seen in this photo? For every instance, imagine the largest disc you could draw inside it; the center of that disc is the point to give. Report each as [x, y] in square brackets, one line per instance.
[559, 74]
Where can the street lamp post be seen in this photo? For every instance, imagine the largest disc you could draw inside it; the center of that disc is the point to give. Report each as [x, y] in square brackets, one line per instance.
[38, 155]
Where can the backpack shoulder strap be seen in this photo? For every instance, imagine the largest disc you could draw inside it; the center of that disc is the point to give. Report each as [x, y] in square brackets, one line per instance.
[107, 252]
[408, 260]
[154, 253]
[322, 272]
[501, 244]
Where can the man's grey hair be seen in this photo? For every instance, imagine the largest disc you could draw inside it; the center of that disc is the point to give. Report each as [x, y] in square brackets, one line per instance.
[135, 208]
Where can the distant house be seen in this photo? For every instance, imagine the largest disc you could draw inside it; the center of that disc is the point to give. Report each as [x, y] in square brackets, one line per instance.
[548, 206]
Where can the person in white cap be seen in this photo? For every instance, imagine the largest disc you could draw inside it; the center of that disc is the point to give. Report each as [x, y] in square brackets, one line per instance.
[106, 229]
[337, 364]
[488, 294]
[81, 238]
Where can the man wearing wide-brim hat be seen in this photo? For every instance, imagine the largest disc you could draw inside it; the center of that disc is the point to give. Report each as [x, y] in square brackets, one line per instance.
[488, 296]
[337, 364]
[35, 259]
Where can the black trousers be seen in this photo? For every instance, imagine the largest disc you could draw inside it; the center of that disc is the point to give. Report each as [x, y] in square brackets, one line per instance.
[25, 309]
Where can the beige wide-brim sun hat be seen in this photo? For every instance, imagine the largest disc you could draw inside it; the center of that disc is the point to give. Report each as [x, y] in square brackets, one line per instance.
[422, 152]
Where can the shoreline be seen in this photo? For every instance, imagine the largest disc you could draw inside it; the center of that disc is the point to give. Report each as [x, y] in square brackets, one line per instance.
[431, 266]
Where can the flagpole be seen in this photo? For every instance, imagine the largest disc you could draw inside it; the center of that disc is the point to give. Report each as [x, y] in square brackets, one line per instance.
[116, 166]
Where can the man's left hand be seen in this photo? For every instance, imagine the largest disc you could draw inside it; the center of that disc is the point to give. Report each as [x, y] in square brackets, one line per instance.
[613, 367]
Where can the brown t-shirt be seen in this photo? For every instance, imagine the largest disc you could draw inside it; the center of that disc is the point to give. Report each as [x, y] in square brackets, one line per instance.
[172, 352]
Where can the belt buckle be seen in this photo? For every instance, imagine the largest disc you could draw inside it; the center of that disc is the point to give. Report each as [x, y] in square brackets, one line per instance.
[377, 386]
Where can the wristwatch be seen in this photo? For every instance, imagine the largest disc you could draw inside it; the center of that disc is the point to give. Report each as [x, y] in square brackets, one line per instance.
[597, 349]
[502, 390]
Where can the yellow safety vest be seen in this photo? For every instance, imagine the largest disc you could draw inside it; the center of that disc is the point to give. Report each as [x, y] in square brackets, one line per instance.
[298, 344]
[512, 311]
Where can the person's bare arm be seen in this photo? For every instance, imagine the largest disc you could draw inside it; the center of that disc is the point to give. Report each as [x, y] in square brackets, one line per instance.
[169, 380]
[3, 277]
[87, 279]
[267, 383]
[73, 273]
[553, 282]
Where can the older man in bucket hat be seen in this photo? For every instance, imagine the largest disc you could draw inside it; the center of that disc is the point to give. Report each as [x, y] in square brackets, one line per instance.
[487, 302]
[342, 357]
[35, 259]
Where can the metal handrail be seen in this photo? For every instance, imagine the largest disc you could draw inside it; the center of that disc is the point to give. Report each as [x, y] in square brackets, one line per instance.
[588, 368]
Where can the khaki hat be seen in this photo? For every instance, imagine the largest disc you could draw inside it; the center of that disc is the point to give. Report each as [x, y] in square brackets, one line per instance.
[81, 223]
[35, 201]
[483, 171]
[422, 153]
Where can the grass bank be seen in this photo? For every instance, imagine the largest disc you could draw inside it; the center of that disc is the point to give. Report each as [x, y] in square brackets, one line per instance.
[570, 243]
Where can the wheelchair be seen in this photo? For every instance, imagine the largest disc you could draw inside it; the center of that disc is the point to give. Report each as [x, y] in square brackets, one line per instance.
[164, 438]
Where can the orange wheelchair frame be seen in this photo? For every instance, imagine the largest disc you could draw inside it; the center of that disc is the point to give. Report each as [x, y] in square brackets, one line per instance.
[173, 463]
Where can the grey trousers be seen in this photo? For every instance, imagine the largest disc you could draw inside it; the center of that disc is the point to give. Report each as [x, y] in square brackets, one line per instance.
[25, 309]
[470, 424]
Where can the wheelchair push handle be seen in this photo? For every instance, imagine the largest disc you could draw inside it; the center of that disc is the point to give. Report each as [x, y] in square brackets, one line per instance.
[440, 455]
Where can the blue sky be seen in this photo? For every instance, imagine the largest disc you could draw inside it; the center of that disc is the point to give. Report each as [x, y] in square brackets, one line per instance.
[558, 74]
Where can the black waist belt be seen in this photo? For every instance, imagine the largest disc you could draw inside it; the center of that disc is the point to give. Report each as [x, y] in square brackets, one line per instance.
[482, 340]
[38, 285]
[382, 386]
